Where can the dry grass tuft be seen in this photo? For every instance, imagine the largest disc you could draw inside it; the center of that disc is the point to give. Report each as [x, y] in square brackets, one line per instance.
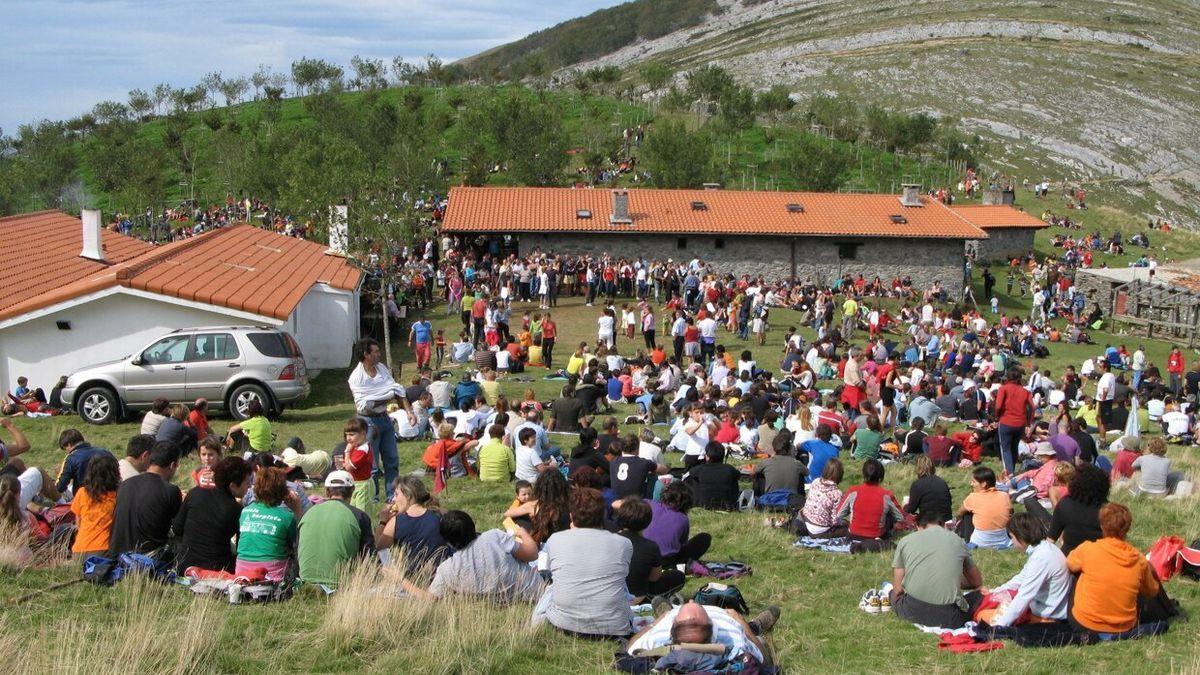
[146, 634]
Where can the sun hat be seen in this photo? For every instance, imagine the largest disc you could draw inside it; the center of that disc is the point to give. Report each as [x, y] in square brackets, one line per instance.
[339, 479]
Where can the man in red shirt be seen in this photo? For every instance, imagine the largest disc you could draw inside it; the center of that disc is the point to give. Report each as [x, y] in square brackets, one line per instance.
[197, 419]
[478, 311]
[1013, 410]
[1175, 366]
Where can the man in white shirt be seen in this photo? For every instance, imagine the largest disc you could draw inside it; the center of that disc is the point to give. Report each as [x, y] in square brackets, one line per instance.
[708, 338]
[1106, 390]
[1138, 366]
[372, 387]
[696, 431]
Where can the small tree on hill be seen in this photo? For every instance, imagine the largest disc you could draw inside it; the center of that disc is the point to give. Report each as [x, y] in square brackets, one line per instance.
[677, 158]
[141, 103]
[656, 74]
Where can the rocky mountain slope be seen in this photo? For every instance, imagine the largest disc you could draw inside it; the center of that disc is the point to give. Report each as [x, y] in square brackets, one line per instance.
[1102, 94]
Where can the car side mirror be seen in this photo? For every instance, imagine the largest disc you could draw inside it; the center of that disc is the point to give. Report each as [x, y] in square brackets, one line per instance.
[138, 360]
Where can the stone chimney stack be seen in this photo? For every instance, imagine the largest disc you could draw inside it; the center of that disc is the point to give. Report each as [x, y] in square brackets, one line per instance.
[339, 232]
[910, 195]
[93, 243]
[620, 212]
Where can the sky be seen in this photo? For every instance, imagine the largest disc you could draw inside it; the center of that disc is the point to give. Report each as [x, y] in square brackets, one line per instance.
[60, 57]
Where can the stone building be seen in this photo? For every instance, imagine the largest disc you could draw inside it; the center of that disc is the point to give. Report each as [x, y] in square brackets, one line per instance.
[776, 235]
[1010, 230]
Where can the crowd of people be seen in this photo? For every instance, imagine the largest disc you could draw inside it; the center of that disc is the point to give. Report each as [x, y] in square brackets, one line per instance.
[599, 521]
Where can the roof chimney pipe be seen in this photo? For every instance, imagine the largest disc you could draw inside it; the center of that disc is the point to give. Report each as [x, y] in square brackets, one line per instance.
[620, 212]
[911, 195]
[93, 244]
[339, 229]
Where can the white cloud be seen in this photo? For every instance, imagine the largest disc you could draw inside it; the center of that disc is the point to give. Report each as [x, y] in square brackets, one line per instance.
[62, 56]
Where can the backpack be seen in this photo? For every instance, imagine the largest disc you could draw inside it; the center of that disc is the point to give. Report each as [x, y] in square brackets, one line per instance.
[1164, 556]
[1190, 559]
[776, 500]
[56, 523]
[721, 595]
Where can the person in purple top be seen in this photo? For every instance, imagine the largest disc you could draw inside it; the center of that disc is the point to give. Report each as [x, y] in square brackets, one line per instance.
[1066, 448]
[670, 527]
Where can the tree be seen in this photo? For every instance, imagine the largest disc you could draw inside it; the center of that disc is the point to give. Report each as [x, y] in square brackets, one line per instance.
[656, 74]
[125, 165]
[677, 158]
[141, 103]
[315, 75]
[234, 89]
[403, 71]
[737, 108]
[710, 83]
[818, 165]
[162, 95]
[775, 100]
[526, 130]
[211, 85]
[369, 74]
[839, 115]
[110, 111]
[260, 79]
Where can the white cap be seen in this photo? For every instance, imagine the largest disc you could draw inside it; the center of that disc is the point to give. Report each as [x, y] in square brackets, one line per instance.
[339, 479]
[1044, 448]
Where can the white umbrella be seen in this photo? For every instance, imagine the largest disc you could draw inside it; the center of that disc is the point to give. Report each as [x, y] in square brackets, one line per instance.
[1133, 428]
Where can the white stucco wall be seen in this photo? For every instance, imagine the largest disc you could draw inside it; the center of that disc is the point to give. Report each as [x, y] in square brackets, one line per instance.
[325, 323]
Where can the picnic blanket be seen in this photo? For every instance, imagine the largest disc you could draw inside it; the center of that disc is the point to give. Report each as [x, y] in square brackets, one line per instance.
[834, 545]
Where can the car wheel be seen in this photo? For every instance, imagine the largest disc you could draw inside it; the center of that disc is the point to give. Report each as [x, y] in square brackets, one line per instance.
[241, 397]
[98, 405]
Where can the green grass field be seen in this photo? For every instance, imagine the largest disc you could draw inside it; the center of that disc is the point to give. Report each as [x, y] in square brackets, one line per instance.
[138, 628]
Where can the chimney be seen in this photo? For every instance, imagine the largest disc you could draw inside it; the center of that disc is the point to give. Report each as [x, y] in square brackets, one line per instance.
[339, 233]
[620, 212]
[993, 197]
[93, 245]
[911, 195]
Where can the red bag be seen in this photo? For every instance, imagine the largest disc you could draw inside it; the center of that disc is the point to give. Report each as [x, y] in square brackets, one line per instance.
[43, 524]
[1164, 556]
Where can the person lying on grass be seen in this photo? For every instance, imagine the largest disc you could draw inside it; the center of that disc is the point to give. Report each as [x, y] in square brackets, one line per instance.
[692, 624]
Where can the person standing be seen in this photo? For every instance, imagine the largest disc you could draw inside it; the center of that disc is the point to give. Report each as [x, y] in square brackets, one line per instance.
[1013, 410]
[549, 335]
[420, 338]
[1175, 366]
[372, 386]
[1138, 365]
[1106, 392]
[678, 329]
[648, 327]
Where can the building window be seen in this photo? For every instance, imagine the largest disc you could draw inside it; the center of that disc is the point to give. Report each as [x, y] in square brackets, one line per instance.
[681, 243]
[719, 243]
[848, 251]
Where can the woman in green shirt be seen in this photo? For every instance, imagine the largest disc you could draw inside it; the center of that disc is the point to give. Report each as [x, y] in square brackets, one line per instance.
[267, 527]
[866, 441]
[256, 427]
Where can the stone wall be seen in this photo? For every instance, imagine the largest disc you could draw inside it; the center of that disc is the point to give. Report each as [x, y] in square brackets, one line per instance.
[1003, 244]
[773, 258]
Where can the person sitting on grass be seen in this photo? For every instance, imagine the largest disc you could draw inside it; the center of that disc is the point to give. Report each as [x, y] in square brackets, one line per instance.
[819, 451]
[492, 564]
[697, 628]
[1156, 478]
[1037, 480]
[588, 565]
[334, 533]
[548, 511]
[670, 527]
[267, 527]
[870, 511]
[714, 482]
[411, 523]
[497, 462]
[930, 569]
[1043, 585]
[866, 440]
[983, 517]
[94, 504]
[256, 428]
[819, 517]
[1112, 576]
[646, 577]
[79, 454]
[137, 456]
[209, 518]
[928, 492]
[146, 504]
[210, 454]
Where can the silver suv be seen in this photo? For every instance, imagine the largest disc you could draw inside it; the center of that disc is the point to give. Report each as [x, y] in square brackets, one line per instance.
[228, 365]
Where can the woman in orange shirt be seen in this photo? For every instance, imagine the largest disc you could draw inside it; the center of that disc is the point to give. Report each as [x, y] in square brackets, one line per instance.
[94, 505]
[1112, 575]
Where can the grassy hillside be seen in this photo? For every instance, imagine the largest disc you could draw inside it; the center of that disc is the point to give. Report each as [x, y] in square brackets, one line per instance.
[1077, 91]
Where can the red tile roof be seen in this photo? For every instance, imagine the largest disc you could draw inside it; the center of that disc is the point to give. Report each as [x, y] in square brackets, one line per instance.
[40, 252]
[492, 209]
[240, 267]
[998, 216]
